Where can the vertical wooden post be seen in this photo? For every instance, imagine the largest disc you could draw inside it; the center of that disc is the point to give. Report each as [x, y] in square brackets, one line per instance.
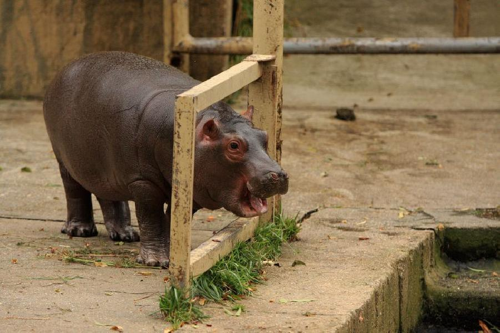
[209, 18]
[182, 192]
[265, 94]
[167, 31]
[180, 11]
[461, 18]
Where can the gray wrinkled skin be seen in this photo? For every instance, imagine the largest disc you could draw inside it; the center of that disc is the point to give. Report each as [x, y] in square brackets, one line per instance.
[110, 119]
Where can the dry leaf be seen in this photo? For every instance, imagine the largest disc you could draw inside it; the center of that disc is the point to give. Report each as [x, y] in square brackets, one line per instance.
[145, 273]
[168, 330]
[361, 319]
[298, 263]
[216, 240]
[166, 279]
[116, 328]
[440, 227]
[363, 238]
[202, 301]
[100, 264]
[210, 219]
[494, 274]
[14, 261]
[484, 327]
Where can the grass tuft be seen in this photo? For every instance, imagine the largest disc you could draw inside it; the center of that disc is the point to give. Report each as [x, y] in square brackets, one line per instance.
[235, 275]
[179, 309]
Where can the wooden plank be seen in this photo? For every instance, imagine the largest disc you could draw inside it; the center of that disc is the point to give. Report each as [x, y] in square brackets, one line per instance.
[209, 18]
[208, 253]
[222, 85]
[268, 39]
[263, 95]
[180, 11]
[461, 27]
[182, 192]
[167, 31]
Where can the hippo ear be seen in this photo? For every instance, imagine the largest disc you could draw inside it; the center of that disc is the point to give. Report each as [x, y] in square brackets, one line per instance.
[248, 113]
[210, 130]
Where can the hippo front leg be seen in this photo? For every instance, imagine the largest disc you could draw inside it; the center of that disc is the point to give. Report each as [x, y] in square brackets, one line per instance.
[154, 224]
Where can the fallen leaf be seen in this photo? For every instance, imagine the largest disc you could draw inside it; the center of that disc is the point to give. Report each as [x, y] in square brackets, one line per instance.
[296, 300]
[440, 227]
[119, 243]
[361, 318]
[108, 294]
[168, 329]
[324, 174]
[234, 314]
[116, 328]
[42, 229]
[476, 270]
[145, 273]
[484, 327]
[216, 240]
[309, 314]
[331, 237]
[166, 279]
[363, 238]
[14, 261]
[25, 169]
[202, 301]
[100, 264]
[298, 263]
[494, 274]
[472, 281]
[271, 263]
[210, 219]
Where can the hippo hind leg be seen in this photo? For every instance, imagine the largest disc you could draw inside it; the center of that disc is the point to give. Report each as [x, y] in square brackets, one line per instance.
[117, 220]
[80, 218]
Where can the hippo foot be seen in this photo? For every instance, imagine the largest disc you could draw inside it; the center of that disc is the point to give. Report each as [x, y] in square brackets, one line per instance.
[125, 234]
[151, 257]
[79, 229]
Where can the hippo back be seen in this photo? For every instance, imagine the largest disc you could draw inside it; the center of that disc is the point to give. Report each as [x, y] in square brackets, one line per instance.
[104, 114]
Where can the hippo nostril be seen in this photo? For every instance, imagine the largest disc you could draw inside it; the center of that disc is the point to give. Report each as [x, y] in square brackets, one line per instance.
[284, 174]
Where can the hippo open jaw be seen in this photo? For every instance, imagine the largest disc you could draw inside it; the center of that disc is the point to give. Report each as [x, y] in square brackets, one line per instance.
[252, 205]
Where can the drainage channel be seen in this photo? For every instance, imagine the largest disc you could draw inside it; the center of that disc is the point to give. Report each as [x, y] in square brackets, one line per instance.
[463, 286]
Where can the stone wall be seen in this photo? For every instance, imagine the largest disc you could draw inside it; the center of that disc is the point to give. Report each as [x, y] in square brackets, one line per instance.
[38, 37]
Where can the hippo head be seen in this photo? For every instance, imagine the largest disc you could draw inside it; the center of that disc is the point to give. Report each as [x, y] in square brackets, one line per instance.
[232, 167]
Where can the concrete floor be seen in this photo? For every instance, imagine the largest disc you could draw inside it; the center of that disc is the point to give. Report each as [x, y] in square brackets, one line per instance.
[427, 135]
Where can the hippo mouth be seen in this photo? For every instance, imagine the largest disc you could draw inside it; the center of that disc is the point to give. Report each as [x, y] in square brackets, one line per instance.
[251, 205]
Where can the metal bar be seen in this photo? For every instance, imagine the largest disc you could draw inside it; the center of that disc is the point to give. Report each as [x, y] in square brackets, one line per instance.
[461, 12]
[243, 45]
[212, 250]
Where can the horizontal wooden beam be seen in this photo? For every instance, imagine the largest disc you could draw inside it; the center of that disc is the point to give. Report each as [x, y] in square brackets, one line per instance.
[208, 253]
[225, 83]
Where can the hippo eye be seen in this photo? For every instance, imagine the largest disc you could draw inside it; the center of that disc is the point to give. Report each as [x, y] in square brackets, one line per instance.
[234, 145]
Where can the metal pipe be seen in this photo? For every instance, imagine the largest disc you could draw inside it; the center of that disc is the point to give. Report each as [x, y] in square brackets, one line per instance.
[243, 45]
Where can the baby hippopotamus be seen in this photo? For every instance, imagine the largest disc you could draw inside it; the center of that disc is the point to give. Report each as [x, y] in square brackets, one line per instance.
[110, 118]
